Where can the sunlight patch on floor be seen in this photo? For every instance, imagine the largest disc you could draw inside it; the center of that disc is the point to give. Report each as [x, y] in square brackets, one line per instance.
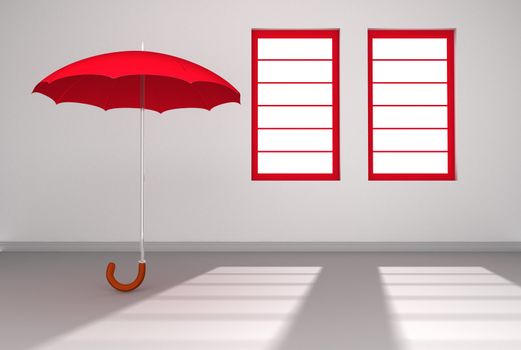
[452, 308]
[228, 308]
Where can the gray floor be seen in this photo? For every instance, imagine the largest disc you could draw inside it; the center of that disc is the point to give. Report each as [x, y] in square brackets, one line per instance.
[268, 301]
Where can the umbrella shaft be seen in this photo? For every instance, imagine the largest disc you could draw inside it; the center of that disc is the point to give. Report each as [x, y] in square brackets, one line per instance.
[142, 189]
[142, 163]
[142, 172]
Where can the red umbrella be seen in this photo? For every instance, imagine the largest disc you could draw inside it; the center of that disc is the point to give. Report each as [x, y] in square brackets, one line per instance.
[118, 80]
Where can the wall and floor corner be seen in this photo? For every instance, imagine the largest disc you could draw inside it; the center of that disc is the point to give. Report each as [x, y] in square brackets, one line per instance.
[71, 173]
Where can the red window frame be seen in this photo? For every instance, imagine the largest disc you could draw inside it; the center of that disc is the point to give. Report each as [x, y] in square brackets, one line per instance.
[395, 34]
[305, 33]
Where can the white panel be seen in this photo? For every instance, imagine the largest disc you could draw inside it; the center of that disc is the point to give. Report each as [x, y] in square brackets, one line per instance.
[409, 94]
[211, 307]
[295, 94]
[409, 140]
[433, 270]
[252, 279]
[295, 163]
[295, 71]
[266, 269]
[186, 290]
[409, 71]
[470, 334]
[409, 117]
[434, 48]
[295, 48]
[443, 279]
[410, 163]
[458, 306]
[295, 140]
[295, 117]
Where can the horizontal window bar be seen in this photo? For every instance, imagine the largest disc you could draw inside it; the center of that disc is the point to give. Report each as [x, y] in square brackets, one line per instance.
[294, 105]
[406, 82]
[295, 59]
[289, 128]
[404, 128]
[305, 151]
[409, 105]
[409, 151]
[410, 59]
[295, 82]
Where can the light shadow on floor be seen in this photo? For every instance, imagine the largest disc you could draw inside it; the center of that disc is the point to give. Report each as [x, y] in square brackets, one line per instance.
[253, 301]
[44, 295]
[455, 303]
[261, 301]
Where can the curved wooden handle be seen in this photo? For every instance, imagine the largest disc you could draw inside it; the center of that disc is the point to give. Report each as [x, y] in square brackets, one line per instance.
[111, 268]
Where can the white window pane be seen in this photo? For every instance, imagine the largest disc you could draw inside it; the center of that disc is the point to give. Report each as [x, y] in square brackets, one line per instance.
[409, 140]
[410, 48]
[295, 48]
[295, 117]
[410, 163]
[295, 94]
[289, 163]
[409, 94]
[409, 71]
[409, 117]
[295, 140]
[295, 71]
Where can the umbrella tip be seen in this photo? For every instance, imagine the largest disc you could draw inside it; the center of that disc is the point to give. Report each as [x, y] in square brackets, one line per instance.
[142, 45]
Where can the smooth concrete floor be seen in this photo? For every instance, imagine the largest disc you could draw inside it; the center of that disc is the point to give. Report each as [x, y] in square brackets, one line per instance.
[263, 301]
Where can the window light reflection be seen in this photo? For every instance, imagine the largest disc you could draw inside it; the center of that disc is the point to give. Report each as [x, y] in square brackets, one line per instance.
[452, 307]
[229, 307]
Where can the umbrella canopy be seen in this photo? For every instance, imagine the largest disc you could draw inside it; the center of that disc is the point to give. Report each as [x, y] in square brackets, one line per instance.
[137, 79]
[114, 80]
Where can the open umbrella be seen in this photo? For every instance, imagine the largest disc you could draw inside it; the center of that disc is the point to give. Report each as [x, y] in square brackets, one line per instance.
[137, 79]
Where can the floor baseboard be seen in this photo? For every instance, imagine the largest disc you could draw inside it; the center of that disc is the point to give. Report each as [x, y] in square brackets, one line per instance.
[262, 246]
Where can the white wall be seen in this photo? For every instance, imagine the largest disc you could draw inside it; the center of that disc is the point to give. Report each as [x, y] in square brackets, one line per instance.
[71, 172]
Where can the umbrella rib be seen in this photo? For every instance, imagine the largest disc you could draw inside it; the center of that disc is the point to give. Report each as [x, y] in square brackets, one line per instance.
[200, 96]
[114, 84]
[60, 99]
